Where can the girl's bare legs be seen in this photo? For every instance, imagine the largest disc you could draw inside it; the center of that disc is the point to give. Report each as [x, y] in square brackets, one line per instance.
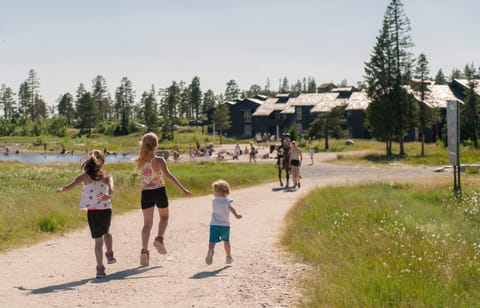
[107, 237]
[99, 250]
[147, 226]
[162, 225]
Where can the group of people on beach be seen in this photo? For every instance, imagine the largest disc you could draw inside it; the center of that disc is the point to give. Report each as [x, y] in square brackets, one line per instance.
[96, 199]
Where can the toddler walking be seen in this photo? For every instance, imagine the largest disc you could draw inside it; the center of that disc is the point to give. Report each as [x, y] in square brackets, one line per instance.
[96, 198]
[220, 222]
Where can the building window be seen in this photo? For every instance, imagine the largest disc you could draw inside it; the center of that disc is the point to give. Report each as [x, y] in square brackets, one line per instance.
[247, 130]
[247, 116]
[298, 112]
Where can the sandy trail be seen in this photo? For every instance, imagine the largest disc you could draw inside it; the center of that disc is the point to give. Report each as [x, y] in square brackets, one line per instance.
[59, 272]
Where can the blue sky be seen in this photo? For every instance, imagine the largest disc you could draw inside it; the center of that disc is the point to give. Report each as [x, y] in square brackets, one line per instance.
[155, 42]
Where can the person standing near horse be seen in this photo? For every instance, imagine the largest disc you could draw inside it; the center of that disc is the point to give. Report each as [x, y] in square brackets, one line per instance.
[295, 163]
[283, 159]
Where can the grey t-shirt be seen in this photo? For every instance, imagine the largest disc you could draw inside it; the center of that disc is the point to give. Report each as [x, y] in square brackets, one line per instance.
[221, 212]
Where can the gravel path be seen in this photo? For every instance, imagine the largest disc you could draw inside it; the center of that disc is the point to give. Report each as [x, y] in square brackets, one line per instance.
[59, 272]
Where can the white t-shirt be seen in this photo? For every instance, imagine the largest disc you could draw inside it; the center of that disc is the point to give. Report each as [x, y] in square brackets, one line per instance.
[88, 199]
[221, 212]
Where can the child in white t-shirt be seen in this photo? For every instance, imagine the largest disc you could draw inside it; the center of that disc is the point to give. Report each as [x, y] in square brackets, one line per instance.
[220, 222]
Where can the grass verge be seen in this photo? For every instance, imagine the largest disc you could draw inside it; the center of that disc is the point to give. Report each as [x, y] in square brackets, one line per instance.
[398, 245]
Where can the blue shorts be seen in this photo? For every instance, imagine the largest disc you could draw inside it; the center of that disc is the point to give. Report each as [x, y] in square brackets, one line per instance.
[219, 233]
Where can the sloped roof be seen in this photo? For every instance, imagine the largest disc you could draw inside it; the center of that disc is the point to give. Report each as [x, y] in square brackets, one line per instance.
[464, 83]
[358, 101]
[255, 100]
[437, 96]
[270, 105]
[288, 109]
[312, 99]
[329, 101]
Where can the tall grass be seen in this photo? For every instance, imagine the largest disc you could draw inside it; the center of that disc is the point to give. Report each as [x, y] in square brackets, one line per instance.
[31, 210]
[396, 245]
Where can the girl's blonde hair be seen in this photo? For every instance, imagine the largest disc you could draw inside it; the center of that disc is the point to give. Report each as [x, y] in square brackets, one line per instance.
[148, 145]
[221, 186]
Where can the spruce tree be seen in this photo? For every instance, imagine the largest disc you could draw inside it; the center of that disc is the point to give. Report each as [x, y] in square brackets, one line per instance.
[426, 114]
[387, 73]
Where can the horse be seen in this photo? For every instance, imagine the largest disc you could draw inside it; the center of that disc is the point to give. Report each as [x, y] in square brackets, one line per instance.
[283, 163]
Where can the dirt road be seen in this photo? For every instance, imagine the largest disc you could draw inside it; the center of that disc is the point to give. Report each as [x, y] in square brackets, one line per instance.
[60, 271]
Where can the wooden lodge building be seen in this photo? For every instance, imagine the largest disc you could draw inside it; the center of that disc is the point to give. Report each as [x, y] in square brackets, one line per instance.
[259, 115]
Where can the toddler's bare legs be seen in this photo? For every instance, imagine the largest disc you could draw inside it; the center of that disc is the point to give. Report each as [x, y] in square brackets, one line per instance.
[227, 249]
[209, 258]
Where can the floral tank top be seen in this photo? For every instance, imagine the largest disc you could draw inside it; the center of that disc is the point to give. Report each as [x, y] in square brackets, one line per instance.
[88, 199]
[150, 178]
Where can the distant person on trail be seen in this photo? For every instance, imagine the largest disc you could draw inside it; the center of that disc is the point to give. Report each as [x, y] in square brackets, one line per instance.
[220, 222]
[96, 198]
[295, 162]
[152, 169]
[311, 152]
[253, 153]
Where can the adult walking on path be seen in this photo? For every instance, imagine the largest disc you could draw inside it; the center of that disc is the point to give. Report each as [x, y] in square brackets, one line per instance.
[263, 275]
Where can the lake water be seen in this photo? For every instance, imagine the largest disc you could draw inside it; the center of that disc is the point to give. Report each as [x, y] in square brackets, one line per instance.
[56, 158]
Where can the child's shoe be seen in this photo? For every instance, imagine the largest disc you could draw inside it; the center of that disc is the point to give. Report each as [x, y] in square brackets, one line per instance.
[144, 257]
[229, 260]
[209, 258]
[158, 244]
[100, 272]
[110, 258]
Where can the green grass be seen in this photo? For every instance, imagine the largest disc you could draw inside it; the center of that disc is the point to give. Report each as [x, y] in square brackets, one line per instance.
[383, 245]
[31, 210]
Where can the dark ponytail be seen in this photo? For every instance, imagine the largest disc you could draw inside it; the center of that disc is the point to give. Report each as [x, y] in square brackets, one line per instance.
[93, 165]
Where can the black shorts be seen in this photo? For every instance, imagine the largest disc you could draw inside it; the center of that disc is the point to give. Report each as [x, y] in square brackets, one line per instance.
[151, 197]
[295, 162]
[99, 222]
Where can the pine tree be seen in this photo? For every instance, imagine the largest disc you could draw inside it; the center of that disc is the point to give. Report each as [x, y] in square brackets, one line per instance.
[101, 98]
[33, 88]
[148, 109]
[221, 119]
[124, 102]
[425, 115]
[195, 97]
[86, 111]
[170, 102]
[388, 71]
[23, 99]
[7, 102]
[284, 88]
[312, 86]
[470, 123]
[440, 78]
[65, 107]
[232, 92]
